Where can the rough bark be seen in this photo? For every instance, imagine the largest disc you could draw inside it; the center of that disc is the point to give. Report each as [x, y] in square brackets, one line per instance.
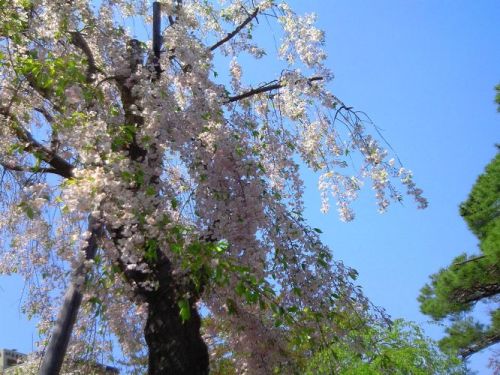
[175, 346]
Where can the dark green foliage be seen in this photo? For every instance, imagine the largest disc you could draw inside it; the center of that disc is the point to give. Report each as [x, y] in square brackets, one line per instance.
[454, 291]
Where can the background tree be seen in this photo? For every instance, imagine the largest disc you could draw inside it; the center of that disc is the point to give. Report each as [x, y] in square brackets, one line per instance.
[396, 347]
[399, 348]
[159, 188]
[454, 291]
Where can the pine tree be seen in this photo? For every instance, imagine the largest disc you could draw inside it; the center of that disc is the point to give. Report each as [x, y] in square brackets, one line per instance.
[454, 291]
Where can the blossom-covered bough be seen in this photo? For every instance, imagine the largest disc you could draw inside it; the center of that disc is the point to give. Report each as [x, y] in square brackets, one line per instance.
[153, 191]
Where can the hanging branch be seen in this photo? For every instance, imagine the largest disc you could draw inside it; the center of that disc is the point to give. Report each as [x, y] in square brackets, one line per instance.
[235, 31]
[262, 89]
[45, 114]
[54, 140]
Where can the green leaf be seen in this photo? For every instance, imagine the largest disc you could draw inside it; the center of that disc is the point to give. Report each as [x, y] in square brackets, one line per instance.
[175, 203]
[176, 248]
[151, 250]
[184, 310]
[150, 191]
[240, 289]
[231, 306]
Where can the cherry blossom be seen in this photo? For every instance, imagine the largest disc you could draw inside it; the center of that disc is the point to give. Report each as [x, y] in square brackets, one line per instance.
[189, 178]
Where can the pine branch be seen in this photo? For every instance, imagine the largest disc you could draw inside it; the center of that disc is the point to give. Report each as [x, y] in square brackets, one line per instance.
[479, 344]
[469, 260]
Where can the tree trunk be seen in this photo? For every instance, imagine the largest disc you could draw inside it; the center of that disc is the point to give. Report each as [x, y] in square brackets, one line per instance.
[175, 347]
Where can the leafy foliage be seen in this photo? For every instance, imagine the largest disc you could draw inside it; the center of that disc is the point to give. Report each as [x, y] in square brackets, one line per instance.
[400, 348]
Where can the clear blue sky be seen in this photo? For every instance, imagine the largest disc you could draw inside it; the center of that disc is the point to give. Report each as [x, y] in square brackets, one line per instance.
[424, 70]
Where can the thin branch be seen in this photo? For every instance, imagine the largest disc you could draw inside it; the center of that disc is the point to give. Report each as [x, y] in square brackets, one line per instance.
[469, 260]
[235, 31]
[171, 19]
[22, 168]
[54, 140]
[44, 93]
[262, 89]
[45, 114]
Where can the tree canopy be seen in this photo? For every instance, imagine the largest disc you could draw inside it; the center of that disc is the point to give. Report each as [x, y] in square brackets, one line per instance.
[158, 190]
[455, 290]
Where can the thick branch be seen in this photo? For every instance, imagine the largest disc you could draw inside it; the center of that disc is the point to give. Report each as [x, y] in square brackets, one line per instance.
[61, 334]
[235, 31]
[61, 166]
[262, 89]
[157, 39]
[480, 344]
[79, 41]
[154, 60]
[476, 293]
